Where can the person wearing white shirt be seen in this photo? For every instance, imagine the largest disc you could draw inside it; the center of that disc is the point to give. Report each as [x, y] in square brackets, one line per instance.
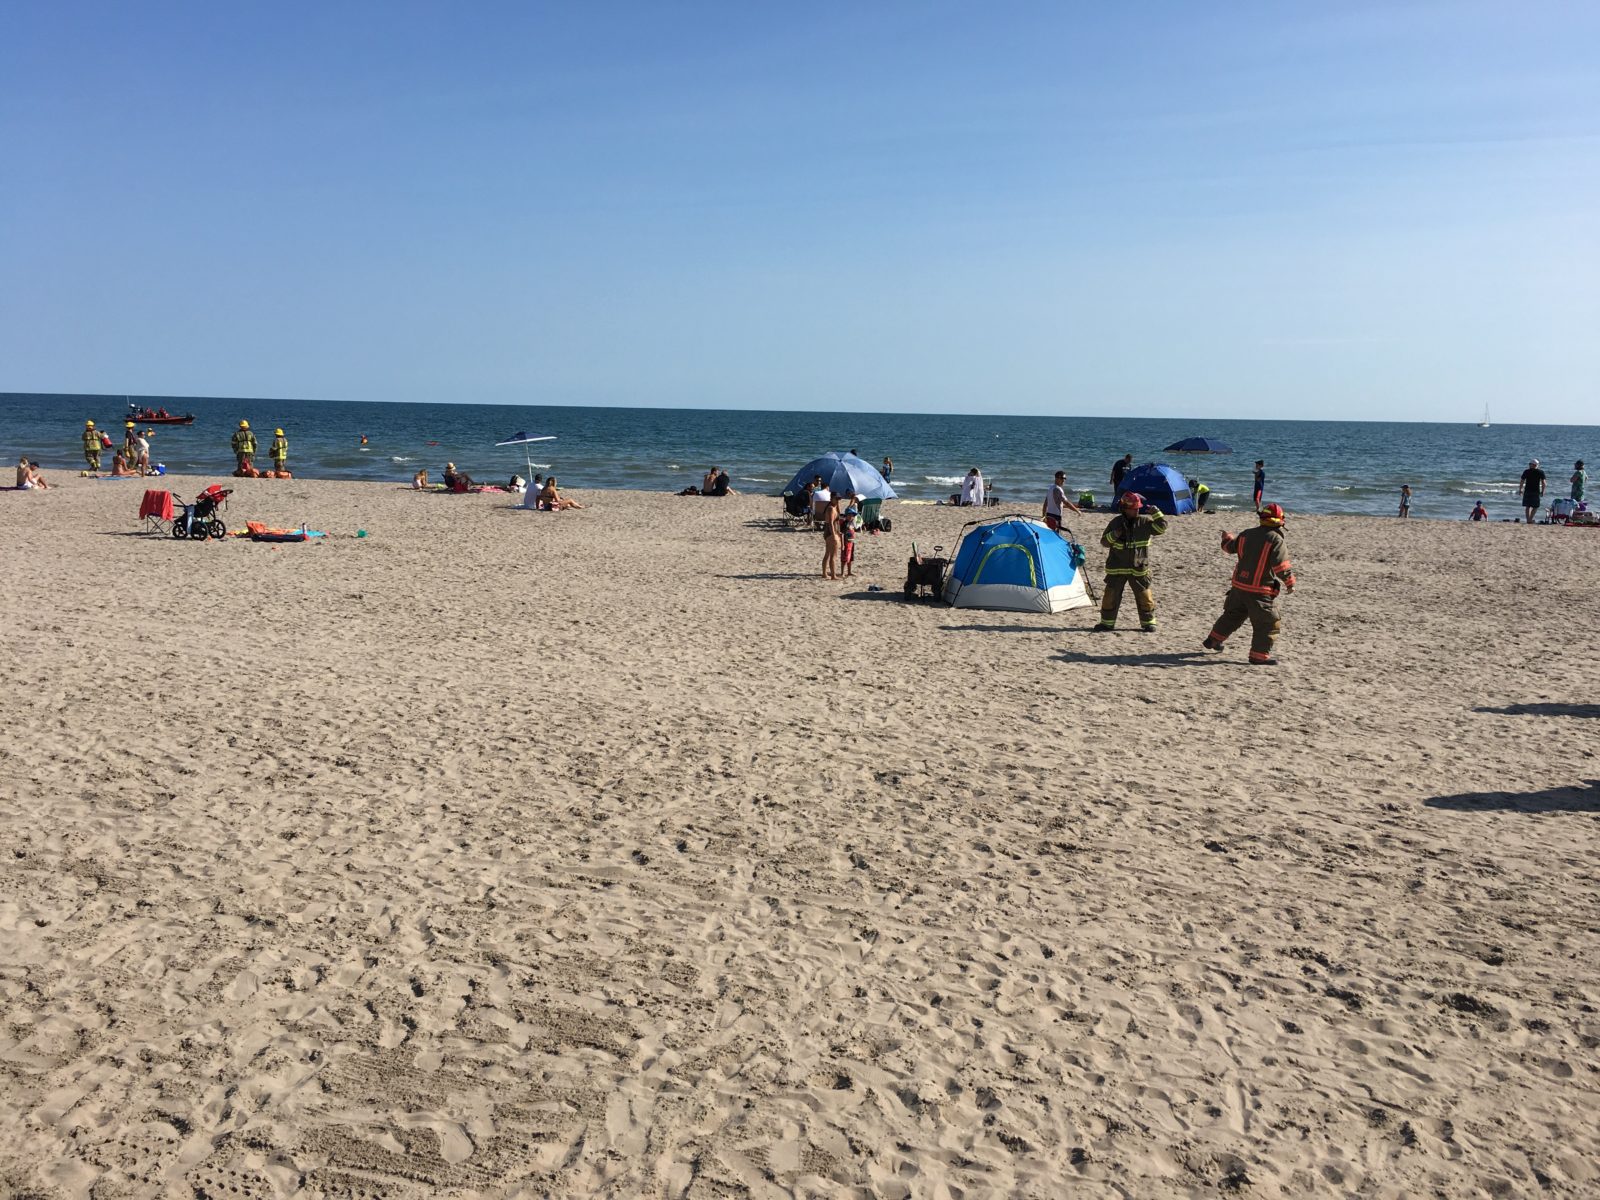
[1055, 500]
[972, 488]
[821, 498]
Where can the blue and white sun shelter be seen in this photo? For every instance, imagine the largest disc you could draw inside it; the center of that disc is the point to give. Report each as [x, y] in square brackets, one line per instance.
[1019, 564]
[1162, 486]
[842, 473]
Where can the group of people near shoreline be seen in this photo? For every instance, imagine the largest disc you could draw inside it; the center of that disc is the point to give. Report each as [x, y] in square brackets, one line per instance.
[130, 458]
[1532, 486]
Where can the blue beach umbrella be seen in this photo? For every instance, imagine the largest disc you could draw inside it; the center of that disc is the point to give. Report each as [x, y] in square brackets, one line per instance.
[1200, 445]
[843, 473]
[522, 439]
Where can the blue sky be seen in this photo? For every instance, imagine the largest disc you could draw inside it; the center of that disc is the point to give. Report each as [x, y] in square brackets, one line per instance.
[1234, 210]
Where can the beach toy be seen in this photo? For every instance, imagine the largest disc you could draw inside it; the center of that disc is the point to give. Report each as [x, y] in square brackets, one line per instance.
[361, 533]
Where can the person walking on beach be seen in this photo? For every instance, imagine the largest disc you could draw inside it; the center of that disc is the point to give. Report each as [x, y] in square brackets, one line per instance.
[1532, 490]
[91, 446]
[244, 447]
[1127, 537]
[1580, 480]
[1258, 489]
[1055, 500]
[279, 452]
[130, 443]
[1118, 469]
[1405, 499]
[1263, 569]
[1479, 512]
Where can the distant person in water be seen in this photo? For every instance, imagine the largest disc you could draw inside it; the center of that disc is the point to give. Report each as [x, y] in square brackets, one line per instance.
[1259, 487]
[1405, 500]
[1479, 512]
[363, 439]
[887, 470]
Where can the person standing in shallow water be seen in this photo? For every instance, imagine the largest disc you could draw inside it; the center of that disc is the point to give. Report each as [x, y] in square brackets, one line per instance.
[1405, 500]
[1580, 480]
[1258, 489]
[887, 470]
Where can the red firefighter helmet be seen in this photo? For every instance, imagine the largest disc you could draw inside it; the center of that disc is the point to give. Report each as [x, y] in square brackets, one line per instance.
[1271, 514]
[1131, 499]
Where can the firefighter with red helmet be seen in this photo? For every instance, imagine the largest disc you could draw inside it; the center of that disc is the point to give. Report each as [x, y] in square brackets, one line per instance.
[1263, 568]
[1128, 563]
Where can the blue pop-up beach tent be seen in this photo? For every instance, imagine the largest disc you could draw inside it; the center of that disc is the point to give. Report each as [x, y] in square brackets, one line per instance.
[1161, 486]
[843, 473]
[1016, 563]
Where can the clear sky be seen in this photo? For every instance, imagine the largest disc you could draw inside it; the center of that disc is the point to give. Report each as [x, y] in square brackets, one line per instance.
[1290, 209]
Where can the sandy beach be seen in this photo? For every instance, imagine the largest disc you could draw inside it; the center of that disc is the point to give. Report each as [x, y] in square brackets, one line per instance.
[613, 853]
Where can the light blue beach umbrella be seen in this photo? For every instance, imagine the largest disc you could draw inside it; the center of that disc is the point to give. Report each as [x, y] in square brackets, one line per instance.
[843, 472]
[524, 440]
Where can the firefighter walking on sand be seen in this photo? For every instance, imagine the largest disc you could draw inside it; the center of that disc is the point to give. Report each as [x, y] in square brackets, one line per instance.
[91, 446]
[1263, 568]
[1128, 565]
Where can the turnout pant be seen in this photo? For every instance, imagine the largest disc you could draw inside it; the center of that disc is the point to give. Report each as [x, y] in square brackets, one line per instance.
[1260, 611]
[1111, 600]
[92, 457]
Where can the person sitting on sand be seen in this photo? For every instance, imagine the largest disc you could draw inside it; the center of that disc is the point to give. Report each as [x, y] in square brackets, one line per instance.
[420, 479]
[455, 480]
[550, 498]
[36, 477]
[119, 464]
[719, 486]
[708, 481]
[821, 498]
[24, 476]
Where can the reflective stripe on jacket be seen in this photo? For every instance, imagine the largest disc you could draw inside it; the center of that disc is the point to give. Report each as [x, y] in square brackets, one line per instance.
[1263, 561]
[1129, 542]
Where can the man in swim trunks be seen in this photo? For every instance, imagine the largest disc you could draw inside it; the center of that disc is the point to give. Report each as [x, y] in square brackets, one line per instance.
[1532, 490]
[1055, 500]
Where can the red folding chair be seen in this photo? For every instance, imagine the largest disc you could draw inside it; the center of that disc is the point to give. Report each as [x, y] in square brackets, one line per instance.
[155, 510]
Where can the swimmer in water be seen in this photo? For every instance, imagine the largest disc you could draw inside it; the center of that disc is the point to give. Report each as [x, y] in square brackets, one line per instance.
[363, 439]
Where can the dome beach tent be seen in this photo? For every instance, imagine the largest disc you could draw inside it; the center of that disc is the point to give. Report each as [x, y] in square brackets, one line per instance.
[1161, 486]
[1016, 563]
[842, 473]
[1200, 445]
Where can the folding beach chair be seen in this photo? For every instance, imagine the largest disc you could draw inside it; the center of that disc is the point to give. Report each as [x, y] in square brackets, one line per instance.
[155, 510]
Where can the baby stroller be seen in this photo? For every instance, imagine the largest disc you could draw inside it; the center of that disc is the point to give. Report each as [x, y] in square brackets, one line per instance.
[200, 520]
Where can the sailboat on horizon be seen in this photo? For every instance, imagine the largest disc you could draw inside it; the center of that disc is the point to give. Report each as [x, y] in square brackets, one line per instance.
[1484, 424]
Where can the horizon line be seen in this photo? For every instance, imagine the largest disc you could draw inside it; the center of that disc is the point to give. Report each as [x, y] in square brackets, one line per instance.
[822, 412]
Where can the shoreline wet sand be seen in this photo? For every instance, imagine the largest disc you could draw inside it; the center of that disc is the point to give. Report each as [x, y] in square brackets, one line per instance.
[612, 852]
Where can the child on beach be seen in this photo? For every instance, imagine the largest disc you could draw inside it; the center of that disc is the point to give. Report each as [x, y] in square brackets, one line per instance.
[420, 479]
[1405, 500]
[847, 541]
[1479, 512]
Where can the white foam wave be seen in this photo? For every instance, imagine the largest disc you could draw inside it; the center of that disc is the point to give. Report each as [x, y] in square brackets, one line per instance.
[946, 480]
[399, 458]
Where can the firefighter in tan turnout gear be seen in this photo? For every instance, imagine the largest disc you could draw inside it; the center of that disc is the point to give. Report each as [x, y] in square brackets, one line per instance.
[1128, 565]
[1263, 569]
